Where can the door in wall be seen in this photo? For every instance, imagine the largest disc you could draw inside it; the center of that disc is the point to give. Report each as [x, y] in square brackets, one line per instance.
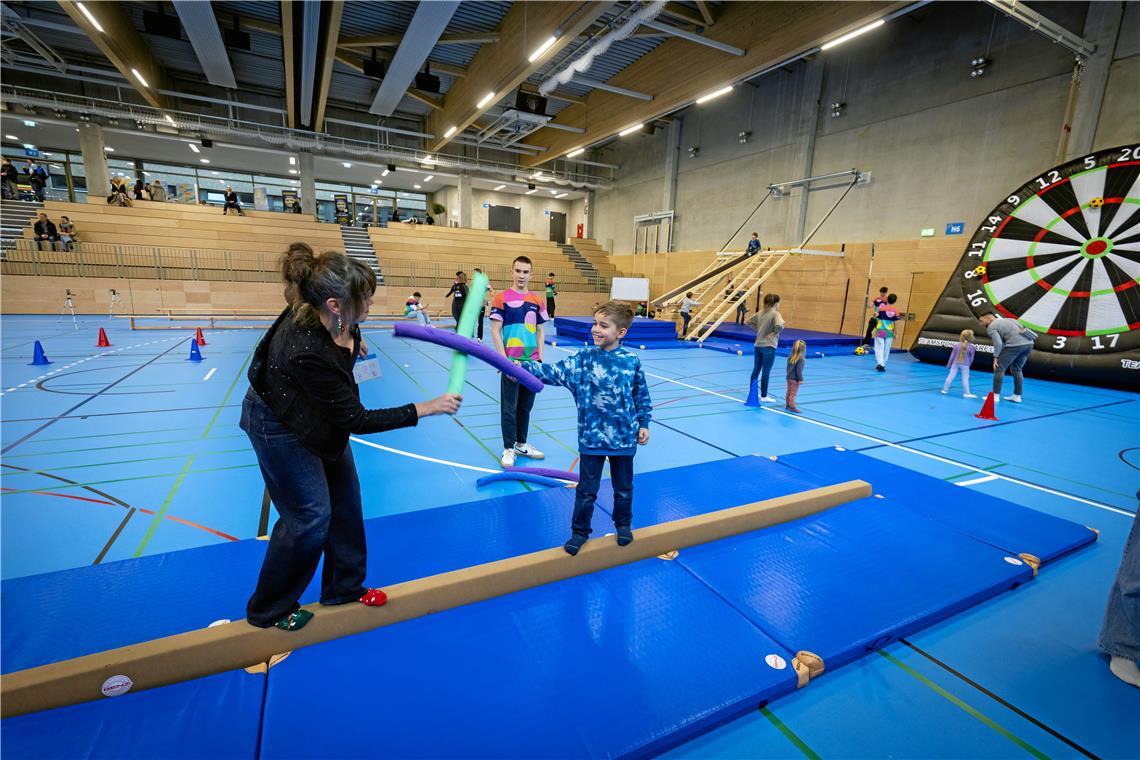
[504, 219]
[557, 227]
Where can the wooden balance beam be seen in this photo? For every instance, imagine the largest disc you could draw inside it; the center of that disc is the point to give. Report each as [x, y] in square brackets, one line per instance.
[207, 651]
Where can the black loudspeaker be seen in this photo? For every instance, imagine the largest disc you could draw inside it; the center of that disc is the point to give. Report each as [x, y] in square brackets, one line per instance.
[427, 82]
[530, 102]
[207, 142]
[376, 69]
[236, 39]
[162, 25]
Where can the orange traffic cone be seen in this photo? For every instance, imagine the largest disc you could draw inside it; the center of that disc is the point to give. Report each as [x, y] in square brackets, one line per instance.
[103, 342]
[987, 412]
[199, 338]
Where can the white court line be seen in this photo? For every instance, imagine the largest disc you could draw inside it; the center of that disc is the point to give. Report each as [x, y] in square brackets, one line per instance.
[975, 481]
[210, 374]
[420, 456]
[907, 449]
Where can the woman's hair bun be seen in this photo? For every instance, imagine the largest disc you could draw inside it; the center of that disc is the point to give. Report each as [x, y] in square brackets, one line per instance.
[297, 263]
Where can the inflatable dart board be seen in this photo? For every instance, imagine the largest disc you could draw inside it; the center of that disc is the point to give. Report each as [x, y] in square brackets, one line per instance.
[1061, 255]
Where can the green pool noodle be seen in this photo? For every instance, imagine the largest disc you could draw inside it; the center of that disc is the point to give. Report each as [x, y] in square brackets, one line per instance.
[467, 321]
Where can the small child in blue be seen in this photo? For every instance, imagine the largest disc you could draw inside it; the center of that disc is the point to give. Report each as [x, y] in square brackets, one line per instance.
[614, 407]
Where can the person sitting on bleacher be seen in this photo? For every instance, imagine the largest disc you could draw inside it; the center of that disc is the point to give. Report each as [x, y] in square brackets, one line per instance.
[157, 192]
[119, 196]
[68, 235]
[231, 202]
[139, 189]
[46, 232]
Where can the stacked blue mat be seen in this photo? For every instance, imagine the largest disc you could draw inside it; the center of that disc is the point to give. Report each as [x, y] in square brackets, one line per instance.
[623, 663]
[642, 331]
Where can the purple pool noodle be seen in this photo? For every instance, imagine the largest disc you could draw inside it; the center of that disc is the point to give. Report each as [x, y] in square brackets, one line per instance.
[547, 472]
[448, 339]
[541, 480]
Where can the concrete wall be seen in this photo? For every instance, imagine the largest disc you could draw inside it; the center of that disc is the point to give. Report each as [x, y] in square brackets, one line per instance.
[533, 219]
[941, 146]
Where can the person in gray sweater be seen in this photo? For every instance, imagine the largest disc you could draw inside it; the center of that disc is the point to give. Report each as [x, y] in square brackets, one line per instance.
[1012, 344]
[767, 323]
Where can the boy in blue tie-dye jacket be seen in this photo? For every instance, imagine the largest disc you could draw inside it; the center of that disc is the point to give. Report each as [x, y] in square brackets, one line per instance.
[614, 408]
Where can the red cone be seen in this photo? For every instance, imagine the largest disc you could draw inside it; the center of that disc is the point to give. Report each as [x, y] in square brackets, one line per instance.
[103, 342]
[200, 339]
[987, 412]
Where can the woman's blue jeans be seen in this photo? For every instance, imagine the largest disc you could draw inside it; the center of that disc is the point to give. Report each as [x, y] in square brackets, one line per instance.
[318, 504]
[1120, 634]
[762, 363]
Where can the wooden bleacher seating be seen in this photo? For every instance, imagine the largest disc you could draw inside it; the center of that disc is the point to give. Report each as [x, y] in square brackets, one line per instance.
[177, 225]
[469, 248]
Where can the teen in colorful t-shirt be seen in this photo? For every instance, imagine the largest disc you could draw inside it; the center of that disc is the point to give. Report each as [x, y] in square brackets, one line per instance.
[516, 329]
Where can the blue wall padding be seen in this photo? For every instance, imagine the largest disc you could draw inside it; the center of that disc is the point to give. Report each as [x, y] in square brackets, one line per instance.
[854, 578]
[623, 663]
[995, 521]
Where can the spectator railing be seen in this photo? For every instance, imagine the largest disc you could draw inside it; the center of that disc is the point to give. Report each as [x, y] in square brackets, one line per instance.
[28, 257]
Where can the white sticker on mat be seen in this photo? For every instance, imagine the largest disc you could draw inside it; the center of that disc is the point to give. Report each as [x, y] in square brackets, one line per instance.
[776, 662]
[116, 686]
[1014, 561]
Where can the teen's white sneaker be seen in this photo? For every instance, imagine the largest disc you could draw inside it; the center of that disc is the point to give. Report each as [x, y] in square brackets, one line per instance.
[508, 458]
[528, 451]
[768, 400]
[1125, 669]
[1014, 398]
[943, 391]
[967, 395]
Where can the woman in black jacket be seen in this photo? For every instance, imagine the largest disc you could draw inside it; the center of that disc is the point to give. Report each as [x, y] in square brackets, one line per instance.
[300, 409]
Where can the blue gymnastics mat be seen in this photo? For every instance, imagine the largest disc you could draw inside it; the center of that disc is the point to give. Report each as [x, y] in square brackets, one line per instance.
[56, 616]
[214, 717]
[623, 663]
[1008, 526]
[654, 654]
[642, 330]
[850, 580]
[628, 662]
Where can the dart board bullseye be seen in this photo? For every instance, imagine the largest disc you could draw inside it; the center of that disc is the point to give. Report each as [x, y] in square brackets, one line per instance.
[1061, 255]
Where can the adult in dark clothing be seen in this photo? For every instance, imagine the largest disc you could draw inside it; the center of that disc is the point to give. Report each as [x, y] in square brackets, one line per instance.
[429, 219]
[139, 190]
[232, 201]
[9, 176]
[301, 407]
[37, 178]
[46, 232]
[490, 294]
[458, 296]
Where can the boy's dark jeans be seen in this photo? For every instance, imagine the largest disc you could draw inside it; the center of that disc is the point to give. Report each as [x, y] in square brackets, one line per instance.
[590, 474]
[515, 405]
[319, 507]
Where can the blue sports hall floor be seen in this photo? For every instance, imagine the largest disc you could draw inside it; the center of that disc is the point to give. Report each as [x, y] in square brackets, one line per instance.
[115, 453]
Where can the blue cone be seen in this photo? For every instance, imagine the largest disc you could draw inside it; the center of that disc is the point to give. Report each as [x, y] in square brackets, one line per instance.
[38, 357]
[753, 396]
[195, 352]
